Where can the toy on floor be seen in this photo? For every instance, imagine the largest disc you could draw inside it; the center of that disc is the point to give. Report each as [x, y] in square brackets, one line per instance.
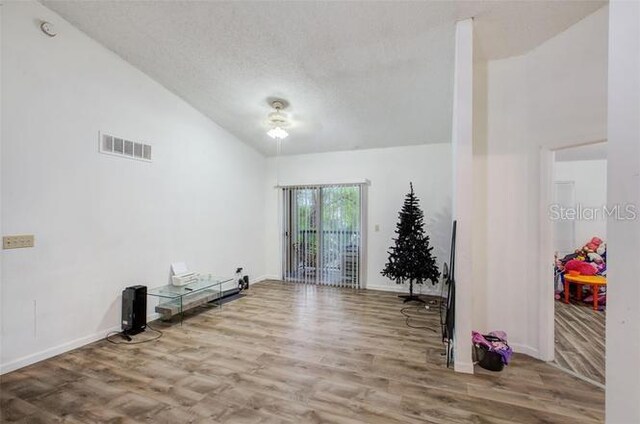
[581, 267]
[590, 259]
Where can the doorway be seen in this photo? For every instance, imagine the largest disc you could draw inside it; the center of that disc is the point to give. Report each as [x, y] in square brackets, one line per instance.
[579, 214]
[323, 235]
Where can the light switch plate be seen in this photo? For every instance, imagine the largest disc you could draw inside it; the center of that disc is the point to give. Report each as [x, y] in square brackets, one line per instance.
[17, 242]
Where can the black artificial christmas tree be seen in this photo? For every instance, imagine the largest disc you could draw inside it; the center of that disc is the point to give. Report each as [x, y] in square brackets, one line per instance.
[411, 259]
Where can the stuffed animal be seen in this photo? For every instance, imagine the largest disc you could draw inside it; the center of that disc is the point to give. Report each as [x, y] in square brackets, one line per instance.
[569, 257]
[584, 268]
[602, 269]
[591, 246]
[594, 257]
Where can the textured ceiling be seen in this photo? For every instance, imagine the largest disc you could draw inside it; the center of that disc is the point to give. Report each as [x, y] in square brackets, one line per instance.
[356, 74]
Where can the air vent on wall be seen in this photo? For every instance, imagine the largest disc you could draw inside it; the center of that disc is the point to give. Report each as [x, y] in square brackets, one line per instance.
[112, 145]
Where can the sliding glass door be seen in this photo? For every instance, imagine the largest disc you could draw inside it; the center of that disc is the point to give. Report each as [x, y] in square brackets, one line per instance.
[323, 234]
[300, 234]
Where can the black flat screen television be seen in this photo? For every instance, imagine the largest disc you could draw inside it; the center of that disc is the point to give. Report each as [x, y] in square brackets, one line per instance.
[448, 303]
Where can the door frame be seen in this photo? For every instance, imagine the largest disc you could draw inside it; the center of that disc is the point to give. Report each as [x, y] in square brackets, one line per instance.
[546, 331]
[546, 336]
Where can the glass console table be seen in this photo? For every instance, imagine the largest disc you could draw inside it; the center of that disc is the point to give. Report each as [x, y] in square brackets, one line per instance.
[174, 300]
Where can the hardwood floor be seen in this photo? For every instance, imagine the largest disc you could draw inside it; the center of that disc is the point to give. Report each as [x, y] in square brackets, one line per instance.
[580, 340]
[291, 353]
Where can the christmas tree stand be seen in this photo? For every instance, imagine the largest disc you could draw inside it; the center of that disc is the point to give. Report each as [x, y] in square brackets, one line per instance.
[411, 298]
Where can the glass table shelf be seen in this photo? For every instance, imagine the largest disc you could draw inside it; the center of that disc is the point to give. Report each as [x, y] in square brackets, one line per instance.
[174, 300]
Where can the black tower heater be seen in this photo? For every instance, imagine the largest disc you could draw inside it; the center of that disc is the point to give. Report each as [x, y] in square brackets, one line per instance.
[134, 309]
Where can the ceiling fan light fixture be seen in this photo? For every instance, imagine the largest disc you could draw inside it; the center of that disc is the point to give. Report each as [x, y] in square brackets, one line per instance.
[277, 133]
[277, 121]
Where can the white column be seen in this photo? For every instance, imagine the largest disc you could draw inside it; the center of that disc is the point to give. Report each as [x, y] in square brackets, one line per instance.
[623, 187]
[463, 190]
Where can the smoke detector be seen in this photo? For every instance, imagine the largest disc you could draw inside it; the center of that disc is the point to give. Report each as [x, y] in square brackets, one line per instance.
[48, 28]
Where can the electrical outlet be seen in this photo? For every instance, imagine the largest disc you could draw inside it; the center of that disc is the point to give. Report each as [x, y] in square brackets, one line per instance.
[17, 242]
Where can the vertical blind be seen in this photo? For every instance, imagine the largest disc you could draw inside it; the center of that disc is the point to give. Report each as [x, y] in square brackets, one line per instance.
[323, 235]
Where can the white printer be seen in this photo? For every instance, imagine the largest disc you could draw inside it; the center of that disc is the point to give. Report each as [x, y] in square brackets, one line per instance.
[181, 275]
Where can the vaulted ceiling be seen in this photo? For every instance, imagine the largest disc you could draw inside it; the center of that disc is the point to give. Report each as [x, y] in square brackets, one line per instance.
[356, 74]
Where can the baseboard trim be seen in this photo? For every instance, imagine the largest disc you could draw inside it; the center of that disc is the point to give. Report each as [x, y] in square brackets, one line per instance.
[400, 289]
[525, 349]
[264, 278]
[55, 351]
[64, 347]
[74, 344]
[578, 376]
[463, 367]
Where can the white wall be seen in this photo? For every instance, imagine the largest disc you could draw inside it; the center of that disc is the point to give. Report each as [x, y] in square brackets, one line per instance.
[1, 178]
[390, 170]
[553, 96]
[463, 193]
[590, 183]
[480, 198]
[102, 223]
[623, 292]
